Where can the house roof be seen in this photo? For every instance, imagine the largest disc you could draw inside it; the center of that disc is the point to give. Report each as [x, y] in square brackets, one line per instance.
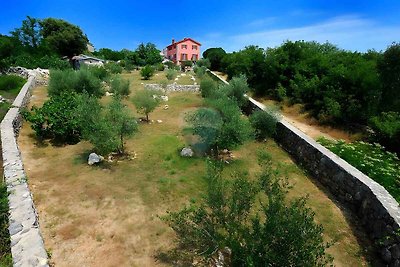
[184, 40]
[83, 57]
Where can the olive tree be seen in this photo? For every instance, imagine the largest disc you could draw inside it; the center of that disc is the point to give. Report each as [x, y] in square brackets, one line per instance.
[146, 101]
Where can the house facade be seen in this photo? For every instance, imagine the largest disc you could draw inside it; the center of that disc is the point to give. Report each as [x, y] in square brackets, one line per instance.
[184, 50]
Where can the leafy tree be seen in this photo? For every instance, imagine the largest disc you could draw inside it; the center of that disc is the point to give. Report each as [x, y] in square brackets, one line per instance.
[389, 70]
[57, 119]
[106, 128]
[109, 54]
[222, 126]
[386, 128]
[147, 72]
[63, 37]
[29, 33]
[147, 54]
[204, 62]
[253, 218]
[236, 89]
[146, 101]
[215, 56]
[120, 86]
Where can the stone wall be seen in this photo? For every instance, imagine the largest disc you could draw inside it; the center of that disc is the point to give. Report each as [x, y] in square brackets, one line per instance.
[376, 209]
[174, 87]
[27, 245]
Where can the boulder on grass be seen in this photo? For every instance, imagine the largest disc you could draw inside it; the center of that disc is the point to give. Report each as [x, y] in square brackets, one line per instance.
[187, 152]
[94, 158]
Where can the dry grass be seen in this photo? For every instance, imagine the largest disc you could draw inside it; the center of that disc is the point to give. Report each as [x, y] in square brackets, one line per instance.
[296, 115]
[107, 215]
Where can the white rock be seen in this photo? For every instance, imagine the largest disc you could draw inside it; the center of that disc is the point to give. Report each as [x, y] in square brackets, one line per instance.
[109, 94]
[183, 74]
[166, 107]
[164, 98]
[94, 158]
[159, 121]
[187, 152]
[176, 79]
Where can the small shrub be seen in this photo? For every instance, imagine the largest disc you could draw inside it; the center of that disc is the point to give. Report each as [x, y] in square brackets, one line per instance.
[171, 65]
[264, 123]
[120, 86]
[160, 67]
[11, 83]
[170, 74]
[200, 71]
[204, 62]
[99, 72]
[147, 72]
[236, 89]
[113, 68]
[208, 87]
[280, 92]
[371, 159]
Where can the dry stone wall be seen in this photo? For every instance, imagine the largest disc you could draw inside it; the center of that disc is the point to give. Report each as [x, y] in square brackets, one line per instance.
[27, 247]
[174, 87]
[376, 209]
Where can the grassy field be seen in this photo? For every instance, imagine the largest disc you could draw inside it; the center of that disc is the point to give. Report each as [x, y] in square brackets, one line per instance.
[107, 215]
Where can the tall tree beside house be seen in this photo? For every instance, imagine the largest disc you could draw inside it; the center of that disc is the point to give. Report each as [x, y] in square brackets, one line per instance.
[215, 56]
[29, 33]
[63, 37]
[147, 54]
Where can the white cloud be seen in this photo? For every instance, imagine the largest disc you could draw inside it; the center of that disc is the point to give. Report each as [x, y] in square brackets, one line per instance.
[262, 22]
[348, 32]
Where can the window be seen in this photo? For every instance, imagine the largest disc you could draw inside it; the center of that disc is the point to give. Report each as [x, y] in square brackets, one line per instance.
[194, 57]
[194, 47]
[170, 48]
[184, 46]
[183, 56]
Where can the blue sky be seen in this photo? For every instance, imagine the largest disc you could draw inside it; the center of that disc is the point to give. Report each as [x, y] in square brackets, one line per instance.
[354, 24]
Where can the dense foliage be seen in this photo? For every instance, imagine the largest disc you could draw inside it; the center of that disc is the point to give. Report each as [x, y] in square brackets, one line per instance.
[106, 128]
[252, 218]
[264, 123]
[68, 81]
[120, 86]
[5, 252]
[41, 43]
[214, 56]
[371, 159]
[336, 86]
[11, 83]
[57, 119]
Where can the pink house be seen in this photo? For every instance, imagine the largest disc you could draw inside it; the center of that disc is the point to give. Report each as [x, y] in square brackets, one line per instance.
[186, 49]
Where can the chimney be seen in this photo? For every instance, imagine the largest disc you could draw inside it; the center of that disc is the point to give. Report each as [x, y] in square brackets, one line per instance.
[173, 41]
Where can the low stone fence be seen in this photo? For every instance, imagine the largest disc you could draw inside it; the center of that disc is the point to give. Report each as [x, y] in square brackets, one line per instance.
[174, 87]
[27, 247]
[376, 209]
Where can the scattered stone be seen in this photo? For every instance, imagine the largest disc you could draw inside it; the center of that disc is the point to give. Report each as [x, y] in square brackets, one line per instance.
[174, 88]
[166, 107]
[94, 158]
[222, 258]
[195, 83]
[159, 121]
[109, 94]
[187, 152]
[141, 83]
[156, 74]
[164, 98]
[176, 79]
[183, 74]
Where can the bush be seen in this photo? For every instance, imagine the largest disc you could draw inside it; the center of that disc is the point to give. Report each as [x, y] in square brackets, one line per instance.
[170, 74]
[264, 123]
[160, 67]
[98, 71]
[372, 160]
[57, 119]
[113, 68]
[11, 83]
[236, 89]
[171, 65]
[120, 86]
[147, 72]
[386, 127]
[68, 81]
[200, 71]
[208, 87]
[252, 218]
[204, 62]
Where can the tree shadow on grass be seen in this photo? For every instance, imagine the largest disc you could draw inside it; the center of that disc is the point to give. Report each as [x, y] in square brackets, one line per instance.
[173, 257]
